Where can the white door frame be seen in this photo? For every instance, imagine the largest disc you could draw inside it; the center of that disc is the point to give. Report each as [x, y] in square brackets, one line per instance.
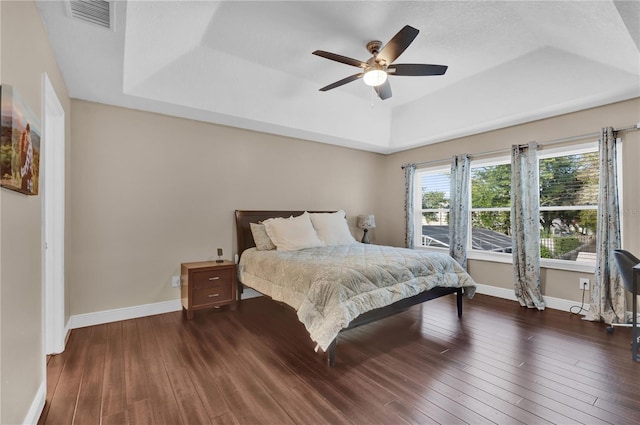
[52, 185]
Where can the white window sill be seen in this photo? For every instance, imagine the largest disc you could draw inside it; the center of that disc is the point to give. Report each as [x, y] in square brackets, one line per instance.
[506, 259]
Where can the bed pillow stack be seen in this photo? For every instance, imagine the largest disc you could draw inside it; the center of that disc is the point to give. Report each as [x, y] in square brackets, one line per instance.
[308, 230]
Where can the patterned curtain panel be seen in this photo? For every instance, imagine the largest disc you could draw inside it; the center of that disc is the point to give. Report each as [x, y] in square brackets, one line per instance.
[525, 225]
[608, 295]
[409, 174]
[459, 208]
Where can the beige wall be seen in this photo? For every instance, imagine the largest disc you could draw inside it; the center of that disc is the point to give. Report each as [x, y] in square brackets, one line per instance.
[150, 191]
[556, 283]
[26, 55]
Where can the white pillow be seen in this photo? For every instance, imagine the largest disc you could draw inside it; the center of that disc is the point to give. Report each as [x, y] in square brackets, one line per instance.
[332, 228]
[292, 234]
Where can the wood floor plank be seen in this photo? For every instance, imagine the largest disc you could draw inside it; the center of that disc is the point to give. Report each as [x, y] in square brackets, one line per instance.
[556, 411]
[206, 384]
[65, 397]
[430, 369]
[564, 376]
[114, 390]
[342, 391]
[243, 392]
[116, 418]
[55, 364]
[170, 352]
[421, 394]
[243, 408]
[191, 409]
[165, 406]
[517, 393]
[550, 348]
[140, 412]
[500, 363]
[411, 415]
[89, 405]
[293, 395]
[134, 374]
[225, 419]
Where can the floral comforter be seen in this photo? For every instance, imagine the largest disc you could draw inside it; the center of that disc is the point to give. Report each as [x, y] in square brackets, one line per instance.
[330, 286]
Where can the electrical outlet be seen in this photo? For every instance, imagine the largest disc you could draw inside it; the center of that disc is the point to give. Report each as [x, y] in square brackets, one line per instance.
[584, 283]
[175, 281]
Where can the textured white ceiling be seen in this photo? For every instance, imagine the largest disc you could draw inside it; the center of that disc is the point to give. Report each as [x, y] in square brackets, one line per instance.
[249, 64]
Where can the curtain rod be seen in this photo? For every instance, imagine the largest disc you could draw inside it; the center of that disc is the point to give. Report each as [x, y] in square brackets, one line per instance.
[547, 142]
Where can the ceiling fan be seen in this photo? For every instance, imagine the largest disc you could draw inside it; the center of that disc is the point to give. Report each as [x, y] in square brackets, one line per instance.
[380, 65]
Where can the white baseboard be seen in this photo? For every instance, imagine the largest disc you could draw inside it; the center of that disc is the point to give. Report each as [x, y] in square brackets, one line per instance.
[108, 316]
[37, 406]
[509, 294]
[126, 313]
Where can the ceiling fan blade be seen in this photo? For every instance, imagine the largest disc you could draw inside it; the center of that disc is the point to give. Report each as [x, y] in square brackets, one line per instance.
[340, 58]
[383, 90]
[397, 44]
[416, 69]
[343, 81]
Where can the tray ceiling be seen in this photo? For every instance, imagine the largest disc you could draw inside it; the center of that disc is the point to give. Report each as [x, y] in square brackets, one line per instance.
[249, 64]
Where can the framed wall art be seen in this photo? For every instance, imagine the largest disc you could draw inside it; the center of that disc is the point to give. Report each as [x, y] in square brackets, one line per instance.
[19, 143]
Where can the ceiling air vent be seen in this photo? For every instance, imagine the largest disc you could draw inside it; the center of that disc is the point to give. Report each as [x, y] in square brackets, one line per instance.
[97, 12]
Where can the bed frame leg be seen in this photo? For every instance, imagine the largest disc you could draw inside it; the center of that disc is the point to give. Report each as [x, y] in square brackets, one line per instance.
[331, 353]
[459, 302]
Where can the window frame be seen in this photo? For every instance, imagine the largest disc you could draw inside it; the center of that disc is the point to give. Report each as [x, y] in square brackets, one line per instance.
[475, 254]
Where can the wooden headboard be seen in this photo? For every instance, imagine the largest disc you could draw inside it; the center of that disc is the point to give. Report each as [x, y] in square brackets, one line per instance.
[244, 217]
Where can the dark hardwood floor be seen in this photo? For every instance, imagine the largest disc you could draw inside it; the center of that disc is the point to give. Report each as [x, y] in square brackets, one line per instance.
[499, 364]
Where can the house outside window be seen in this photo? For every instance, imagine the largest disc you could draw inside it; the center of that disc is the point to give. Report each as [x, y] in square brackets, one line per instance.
[568, 206]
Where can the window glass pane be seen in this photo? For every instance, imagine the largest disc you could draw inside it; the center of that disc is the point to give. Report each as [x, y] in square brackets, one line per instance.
[490, 231]
[435, 235]
[491, 186]
[569, 235]
[568, 187]
[491, 189]
[435, 190]
[435, 209]
[569, 180]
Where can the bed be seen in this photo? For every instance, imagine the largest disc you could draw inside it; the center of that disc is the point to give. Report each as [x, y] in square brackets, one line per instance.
[338, 283]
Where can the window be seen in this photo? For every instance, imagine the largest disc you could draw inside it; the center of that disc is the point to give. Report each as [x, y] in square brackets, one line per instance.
[491, 206]
[568, 205]
[434, 203]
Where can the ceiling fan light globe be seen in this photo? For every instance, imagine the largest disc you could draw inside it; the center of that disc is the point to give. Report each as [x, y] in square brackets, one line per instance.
[374, 77]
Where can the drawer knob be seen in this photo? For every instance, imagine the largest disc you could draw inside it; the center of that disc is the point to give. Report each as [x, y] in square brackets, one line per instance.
[214, 278]
[214, 295]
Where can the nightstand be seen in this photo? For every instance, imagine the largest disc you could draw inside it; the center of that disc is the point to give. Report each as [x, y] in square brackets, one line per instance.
[207, 284]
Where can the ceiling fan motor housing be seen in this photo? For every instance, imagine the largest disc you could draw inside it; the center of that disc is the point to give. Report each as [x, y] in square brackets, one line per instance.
[374, 46]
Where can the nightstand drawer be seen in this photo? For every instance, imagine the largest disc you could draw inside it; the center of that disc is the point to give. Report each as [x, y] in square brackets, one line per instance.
[214, 295]
[212, 278]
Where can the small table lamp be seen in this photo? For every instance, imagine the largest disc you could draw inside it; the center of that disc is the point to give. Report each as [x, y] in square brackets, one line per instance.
[366, 222]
